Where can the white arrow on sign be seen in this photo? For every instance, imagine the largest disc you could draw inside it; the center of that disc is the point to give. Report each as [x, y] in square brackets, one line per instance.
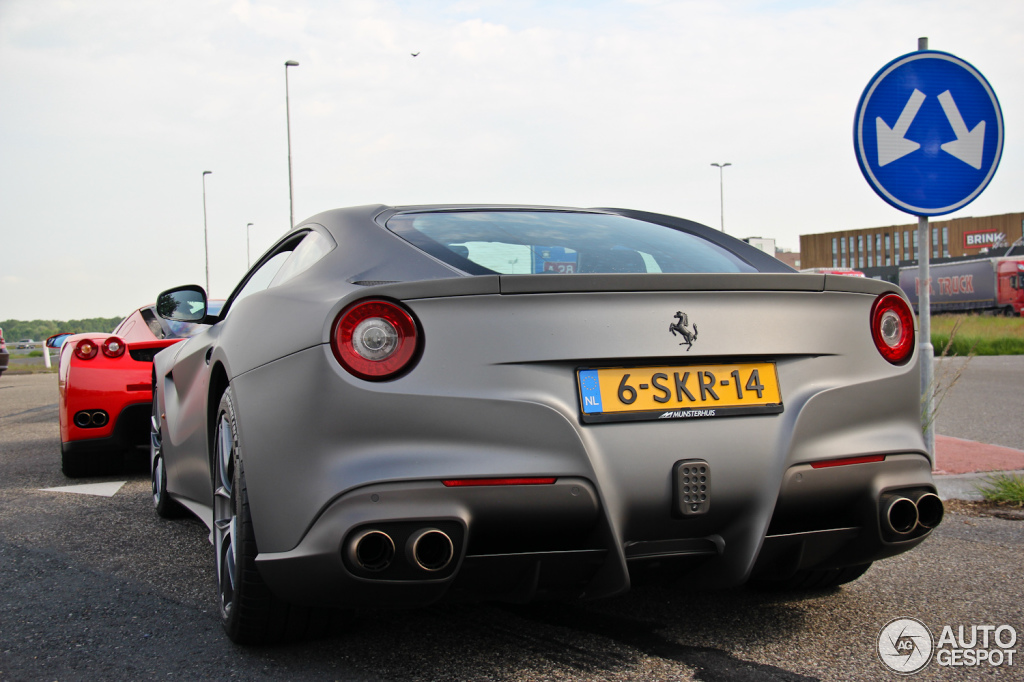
[892, 144]
[968, 145]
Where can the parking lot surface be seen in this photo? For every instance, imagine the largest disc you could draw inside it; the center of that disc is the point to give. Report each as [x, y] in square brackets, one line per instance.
[96, 587]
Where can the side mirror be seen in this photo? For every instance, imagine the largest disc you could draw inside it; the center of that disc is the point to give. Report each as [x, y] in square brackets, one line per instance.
[57, 340]
[182, 304]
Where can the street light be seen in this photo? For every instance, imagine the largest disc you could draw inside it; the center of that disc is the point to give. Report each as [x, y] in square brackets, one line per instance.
[288, 125]
[206, 239]
[248, 261]
[721, 189]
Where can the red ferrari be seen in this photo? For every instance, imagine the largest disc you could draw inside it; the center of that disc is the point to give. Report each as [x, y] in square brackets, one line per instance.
[105, 385]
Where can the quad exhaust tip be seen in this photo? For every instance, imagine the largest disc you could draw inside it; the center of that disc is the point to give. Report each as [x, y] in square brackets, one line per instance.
[372, 550]
[91, 419]
[902, 515]
[930, 510]
[427, 549]
[430, 549]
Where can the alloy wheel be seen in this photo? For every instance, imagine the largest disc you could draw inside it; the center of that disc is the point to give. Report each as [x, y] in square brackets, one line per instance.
[225, 517]
[156, 457]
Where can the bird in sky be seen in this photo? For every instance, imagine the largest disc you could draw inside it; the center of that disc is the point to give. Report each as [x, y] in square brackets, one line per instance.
[415, 54]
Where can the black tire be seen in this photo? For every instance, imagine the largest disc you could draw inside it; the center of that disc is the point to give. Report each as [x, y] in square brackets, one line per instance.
[814, 579]
[74, 466]
[164, 504]
[249, 611]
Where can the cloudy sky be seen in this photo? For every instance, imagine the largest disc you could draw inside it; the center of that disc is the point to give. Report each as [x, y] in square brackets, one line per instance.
[112, 109]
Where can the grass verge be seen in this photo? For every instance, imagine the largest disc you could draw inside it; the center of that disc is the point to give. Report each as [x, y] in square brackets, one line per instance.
[1008, 488]
[31, 368]
[978, 335]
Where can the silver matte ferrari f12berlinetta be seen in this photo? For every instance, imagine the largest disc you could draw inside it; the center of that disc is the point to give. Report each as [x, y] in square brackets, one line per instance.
[403, 405]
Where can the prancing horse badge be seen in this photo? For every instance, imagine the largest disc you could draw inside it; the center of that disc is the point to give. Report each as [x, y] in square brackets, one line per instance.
[679, 327]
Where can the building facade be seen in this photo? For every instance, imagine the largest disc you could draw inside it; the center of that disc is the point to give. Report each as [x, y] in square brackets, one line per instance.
[790, 258]
[877, 247]
[767, 244]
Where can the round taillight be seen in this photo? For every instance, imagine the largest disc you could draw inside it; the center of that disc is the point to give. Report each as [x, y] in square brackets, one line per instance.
[892, 328]
[113, 347]
[86, 349]
[374, 340]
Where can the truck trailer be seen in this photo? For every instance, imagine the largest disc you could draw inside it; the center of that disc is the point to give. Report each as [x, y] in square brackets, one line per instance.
[994, 285]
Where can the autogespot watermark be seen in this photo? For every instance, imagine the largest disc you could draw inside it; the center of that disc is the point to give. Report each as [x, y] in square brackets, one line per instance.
[906, 646]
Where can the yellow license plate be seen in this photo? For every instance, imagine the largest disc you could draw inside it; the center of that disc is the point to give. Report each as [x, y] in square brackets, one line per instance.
[678, 392]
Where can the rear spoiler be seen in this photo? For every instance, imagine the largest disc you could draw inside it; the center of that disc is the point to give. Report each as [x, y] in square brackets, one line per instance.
[581, 283]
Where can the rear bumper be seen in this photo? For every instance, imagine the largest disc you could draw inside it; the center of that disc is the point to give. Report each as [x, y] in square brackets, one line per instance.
[516, 542]
[123, 392]
[519, 543]
[130, 430]
[833, 517]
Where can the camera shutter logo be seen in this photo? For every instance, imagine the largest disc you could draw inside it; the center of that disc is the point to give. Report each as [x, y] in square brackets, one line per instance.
[905, 645]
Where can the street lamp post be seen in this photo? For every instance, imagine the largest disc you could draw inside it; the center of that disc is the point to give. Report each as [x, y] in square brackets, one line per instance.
[248, 260]
[288, 125]
[721, 189]
[206, 239]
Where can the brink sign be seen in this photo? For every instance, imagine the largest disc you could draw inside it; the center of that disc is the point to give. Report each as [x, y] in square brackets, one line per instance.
[980, 240]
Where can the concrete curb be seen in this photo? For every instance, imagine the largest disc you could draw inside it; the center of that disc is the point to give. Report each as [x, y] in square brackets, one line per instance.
[964, 486]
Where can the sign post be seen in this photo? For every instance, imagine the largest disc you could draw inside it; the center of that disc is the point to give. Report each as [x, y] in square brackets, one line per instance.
[928, 134]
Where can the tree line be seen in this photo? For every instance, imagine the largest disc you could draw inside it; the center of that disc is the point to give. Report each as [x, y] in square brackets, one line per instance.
[40, 330]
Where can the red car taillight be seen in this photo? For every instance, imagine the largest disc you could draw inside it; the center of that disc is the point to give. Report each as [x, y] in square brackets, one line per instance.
[86, 349]
[374, 339]
[892, 328]
[113, 347]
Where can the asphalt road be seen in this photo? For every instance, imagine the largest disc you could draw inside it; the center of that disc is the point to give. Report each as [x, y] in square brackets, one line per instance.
[97, 588]
[981, 399]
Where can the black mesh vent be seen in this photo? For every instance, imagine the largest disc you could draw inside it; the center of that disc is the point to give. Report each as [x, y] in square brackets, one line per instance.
[143, 354]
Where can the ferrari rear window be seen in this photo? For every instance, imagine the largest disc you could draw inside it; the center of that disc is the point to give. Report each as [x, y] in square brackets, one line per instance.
[559, 242]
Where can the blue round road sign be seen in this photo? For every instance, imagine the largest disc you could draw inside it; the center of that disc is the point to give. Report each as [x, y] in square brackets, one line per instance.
[928, 133]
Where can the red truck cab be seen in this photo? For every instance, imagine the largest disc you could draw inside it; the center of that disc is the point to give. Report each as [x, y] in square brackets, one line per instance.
[1010, 286]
